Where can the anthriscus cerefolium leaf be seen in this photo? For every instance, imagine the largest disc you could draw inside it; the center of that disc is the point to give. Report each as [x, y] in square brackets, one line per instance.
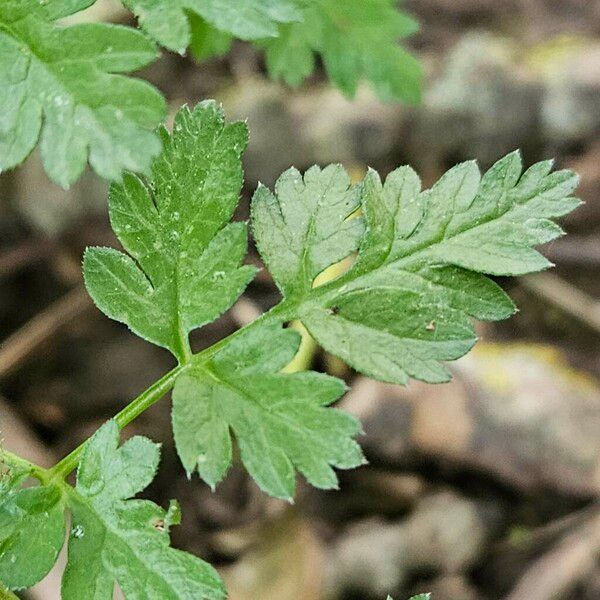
[32, 530]
[357, 39]
[420, 274]
[116, 539]
[280, 421]
[168, 21]
[184, 265]
[62, 86]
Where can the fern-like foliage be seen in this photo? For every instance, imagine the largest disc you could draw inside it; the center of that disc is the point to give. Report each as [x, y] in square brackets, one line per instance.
[65, 86]
[170, 22]
[118, 539]
[357, 39]
[281, 421]
[403, 308]
[184, 265]
[32, 529]
[419, 275]
[113, 538]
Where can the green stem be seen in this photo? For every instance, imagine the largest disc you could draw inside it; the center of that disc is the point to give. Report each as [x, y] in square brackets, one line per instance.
[282, 312]
[147, 398]
[36, 471]
[133, 410]
[6, 594]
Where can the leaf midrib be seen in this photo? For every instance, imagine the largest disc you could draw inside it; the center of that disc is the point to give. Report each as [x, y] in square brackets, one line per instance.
[419, 254]
[281, 415]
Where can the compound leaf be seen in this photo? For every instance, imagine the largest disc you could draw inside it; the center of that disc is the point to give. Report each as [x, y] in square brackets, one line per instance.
[357, 39]
[167, 21]
[32, 530]
[184, 269]
[62, 85]
[405, 306]
[281, 421]
[420, 275]
[116, 539]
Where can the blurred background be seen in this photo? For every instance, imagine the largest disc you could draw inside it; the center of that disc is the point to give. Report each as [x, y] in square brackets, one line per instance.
[483, 488]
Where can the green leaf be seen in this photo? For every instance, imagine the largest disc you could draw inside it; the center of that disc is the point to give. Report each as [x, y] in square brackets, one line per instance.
[184, 270]
[115, 539]
[405, 306]
[407, 303]
[62, 85]
[487, 224]
[56, 9]
[167, 21]
[281, 421]
[357, 39]
[32, 530]
[206, 41]
[303, 228]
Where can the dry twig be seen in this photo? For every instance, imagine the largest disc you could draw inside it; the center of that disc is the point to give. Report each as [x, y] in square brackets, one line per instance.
[565, 296]
[21, 256]
[25, 341]
[566, 564]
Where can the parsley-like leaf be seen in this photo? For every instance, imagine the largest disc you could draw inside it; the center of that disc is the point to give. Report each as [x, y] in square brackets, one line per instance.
[167, 20]
[32, 530]
[62, 85]
[405, 305]
[420, 273]
[115, 539]
[175, 227]
[357, 39]
[281, 421]
[487, 224]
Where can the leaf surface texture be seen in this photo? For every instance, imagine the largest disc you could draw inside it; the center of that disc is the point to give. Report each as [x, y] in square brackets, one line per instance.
[63, 86]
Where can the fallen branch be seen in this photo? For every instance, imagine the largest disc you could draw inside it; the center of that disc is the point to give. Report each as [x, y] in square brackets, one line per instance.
[22, 255]
[567, 297]
[564, 566]
[18, 347]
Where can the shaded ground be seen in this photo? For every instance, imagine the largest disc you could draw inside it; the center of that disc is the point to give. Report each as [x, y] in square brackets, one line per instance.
[483, 488]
